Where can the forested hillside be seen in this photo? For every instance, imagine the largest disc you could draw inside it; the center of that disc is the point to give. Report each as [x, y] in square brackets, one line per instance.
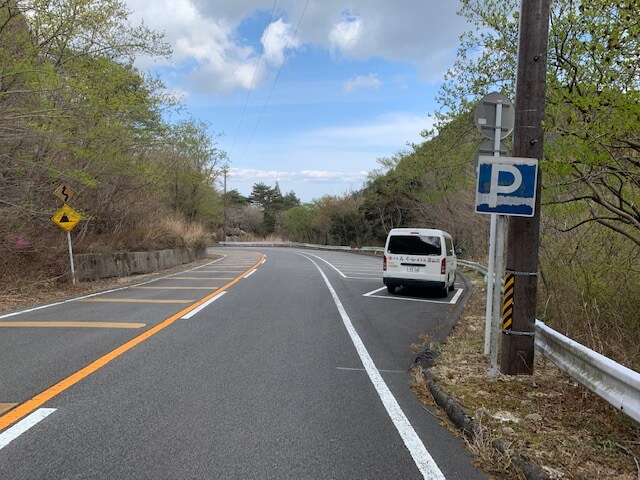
[75, 111]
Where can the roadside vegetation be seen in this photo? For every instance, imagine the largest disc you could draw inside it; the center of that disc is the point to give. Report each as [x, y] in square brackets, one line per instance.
[75, 111]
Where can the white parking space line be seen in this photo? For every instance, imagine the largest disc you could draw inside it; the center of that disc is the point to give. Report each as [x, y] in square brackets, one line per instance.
[456, 296]
[358, 274]
[359, 266]
[203, 306]
[372, 294]
[369, 271]
[10, 434]
[328, 263]
[421, 456]
[375, 279]
[166, 277]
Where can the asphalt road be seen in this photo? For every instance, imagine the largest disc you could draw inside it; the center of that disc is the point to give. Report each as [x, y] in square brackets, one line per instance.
[295, 367]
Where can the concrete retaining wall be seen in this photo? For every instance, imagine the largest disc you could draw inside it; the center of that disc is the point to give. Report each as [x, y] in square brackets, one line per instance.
[92, 266]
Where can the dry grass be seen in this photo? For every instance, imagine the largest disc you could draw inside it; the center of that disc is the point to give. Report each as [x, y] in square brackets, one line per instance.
[176, 232]
[562, 428]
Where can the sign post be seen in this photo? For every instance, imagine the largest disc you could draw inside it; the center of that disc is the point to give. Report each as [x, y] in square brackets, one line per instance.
[67, 218]
[494, 118]
[506, 186]
[73, 268]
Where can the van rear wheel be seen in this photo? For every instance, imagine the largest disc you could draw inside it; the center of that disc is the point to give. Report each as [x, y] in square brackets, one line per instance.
[391, 289]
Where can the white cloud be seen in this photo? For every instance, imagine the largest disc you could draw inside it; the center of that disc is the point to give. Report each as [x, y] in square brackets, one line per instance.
[206, 49]
[327, 175]
[344, 36]
[276, 39]
[390, 131]
[205, 39]
[345, 154]
[360, 81]
[255, 175]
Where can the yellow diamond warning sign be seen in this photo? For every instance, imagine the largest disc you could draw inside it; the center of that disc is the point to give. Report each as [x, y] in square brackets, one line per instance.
[66, 218]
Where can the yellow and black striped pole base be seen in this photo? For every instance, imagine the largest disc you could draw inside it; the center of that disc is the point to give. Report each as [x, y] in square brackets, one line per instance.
[507, 302]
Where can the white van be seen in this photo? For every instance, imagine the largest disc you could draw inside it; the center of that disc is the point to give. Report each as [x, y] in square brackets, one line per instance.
[419, 257]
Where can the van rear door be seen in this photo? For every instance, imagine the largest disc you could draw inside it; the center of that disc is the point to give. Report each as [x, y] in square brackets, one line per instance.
[414, 254]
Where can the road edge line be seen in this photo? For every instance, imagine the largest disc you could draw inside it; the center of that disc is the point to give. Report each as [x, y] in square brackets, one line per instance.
[419, 453]
[24, 425]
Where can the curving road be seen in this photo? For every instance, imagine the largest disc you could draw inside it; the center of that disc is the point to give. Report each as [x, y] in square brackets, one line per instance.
[268, 363]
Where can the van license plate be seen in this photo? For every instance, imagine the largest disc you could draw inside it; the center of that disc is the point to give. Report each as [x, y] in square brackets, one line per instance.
[413, 269]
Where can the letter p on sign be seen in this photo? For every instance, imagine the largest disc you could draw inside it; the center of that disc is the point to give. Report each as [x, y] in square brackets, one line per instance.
[507, 185]
[496, 188]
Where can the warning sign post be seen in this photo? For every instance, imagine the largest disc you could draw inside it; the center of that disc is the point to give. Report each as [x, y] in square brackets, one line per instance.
[67, 218]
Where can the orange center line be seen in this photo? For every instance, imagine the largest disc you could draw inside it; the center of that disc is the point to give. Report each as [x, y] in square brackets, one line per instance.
[40, 399]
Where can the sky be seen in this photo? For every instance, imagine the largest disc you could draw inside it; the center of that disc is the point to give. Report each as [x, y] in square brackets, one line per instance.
[309, 94]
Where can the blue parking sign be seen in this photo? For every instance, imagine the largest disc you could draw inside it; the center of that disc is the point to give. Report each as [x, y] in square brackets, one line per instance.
[507, 185]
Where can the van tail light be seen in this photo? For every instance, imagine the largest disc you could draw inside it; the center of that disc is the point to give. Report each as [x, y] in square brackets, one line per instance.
[384, 263]
[443, 266]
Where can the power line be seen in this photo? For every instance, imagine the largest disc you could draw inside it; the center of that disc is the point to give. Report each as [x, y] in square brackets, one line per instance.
[286, 54]
[255, 74]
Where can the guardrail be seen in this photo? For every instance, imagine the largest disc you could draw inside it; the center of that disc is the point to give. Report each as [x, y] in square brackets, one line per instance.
[475, 266]
[615, 383]
[375, 250]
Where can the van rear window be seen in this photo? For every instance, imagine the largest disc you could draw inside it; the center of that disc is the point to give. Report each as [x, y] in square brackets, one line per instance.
[414, 245]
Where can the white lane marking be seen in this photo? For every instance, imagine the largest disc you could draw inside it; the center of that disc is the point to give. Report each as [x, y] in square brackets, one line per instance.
[363, 370]
[372, 294]
[320, 258]
[423, 460]
[456, 296]
[363, 272]
[370, 279]
[250, 273]
[263, 260]
[7, 315]
[10, 434]
[360, 268]
[203, 306]
[373, 291]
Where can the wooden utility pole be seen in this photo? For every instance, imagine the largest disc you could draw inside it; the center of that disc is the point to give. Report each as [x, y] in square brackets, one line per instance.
[521, 279]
